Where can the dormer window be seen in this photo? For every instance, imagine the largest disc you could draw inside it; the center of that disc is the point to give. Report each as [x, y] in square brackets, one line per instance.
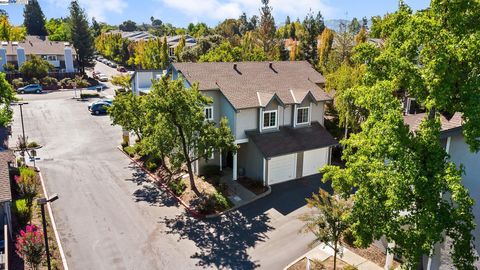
[303, 115]
[269, 119]
[208, 111]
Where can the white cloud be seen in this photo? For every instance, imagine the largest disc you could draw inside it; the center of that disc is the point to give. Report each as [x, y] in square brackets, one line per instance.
[96, 8]
[221, 9]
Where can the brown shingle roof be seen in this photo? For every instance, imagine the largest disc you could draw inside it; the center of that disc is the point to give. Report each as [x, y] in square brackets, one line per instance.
[5, 190]
[414, 120]
[291, 140]
[37, 45]
[240, 85]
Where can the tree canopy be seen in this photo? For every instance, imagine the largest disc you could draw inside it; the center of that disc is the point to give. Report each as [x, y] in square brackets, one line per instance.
[34, 20]
[7, 96]
[81, 36]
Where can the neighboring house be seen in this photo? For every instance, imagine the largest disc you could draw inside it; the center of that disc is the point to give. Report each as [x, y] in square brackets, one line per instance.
[455, 145]
[144, 35]
[275, 111]
[59, 54]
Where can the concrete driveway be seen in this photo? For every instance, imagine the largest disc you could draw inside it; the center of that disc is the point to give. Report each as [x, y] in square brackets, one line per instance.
[109, 217]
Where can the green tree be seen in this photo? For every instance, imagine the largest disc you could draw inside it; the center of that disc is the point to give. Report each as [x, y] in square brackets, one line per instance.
[128, 111]
[354, 26]
[7, 96]
[223, 53]
[267, 29]
[9, 32]
[58, 30]
[179, 49]
[96, 28]
[183, 112]
[314, 26]
[34, 20]
[122, 81]
[36, 67]
[406, 188]
[81, 36]
[362, 36]
[329, 221]
[128, 26]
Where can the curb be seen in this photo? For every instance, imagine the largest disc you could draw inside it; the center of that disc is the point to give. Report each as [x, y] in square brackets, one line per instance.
[52, 220]
[184, 204]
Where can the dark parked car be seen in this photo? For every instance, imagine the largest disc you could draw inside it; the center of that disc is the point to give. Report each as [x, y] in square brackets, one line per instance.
[99, 107]
[121, 69]
[31, 88]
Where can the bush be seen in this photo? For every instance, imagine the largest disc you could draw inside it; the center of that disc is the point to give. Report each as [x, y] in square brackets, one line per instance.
[27, 184]
[33, 144]
[9, 67]
[34, 81]
[49, 82]
[177, 186]
[214, 202]
[30, 246]
[66, 83]
[17, 83]
[130, 150]
[350, 267]
[151, 165]
[348, 237]
[89, 95]
[22, 211]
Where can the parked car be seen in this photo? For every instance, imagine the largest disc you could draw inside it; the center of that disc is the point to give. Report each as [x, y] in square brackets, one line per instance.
[130, 72]
[113, 65]
[99, 107]
[102, 77]
[31, 88]
[121, 69]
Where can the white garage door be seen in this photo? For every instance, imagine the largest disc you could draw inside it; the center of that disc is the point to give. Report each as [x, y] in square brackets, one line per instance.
[282, 168]
[314, 160]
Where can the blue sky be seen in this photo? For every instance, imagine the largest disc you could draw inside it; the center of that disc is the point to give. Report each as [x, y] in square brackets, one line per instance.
[181, 12]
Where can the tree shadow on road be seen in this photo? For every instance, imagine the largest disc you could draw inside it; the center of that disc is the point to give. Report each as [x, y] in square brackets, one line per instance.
[222, 242]
[139, 176]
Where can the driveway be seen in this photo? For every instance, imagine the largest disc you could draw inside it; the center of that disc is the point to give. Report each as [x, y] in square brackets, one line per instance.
[110, 217]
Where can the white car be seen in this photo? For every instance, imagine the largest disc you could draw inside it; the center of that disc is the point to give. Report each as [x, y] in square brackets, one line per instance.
[102, 77]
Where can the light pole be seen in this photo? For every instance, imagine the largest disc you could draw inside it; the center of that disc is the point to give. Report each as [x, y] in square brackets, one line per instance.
[42, 202]
[24, 141]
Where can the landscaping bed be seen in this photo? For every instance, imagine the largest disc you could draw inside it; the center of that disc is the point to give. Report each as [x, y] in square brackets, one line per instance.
[25, 215]
[256, 187]
[321, 265]
[373, 254]
[214, 195]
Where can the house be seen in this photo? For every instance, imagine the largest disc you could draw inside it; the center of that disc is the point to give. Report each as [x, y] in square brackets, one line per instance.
[458, 150]
[275, 111]
[172, 41]
[59, 54]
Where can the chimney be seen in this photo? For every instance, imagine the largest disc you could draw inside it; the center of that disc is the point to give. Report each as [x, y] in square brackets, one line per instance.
[21, 58]
[270, 65]
[235, 66]
[3, 57]
[68, 59]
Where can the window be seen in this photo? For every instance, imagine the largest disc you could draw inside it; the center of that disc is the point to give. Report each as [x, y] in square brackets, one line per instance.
[302, 115]
[208, 113]
[270, 119]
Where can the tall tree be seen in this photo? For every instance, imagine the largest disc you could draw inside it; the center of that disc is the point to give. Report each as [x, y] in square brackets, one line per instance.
[9, 32]
[7, 96]
[184, 117]
[34, 20]
[324, 48]
[179, 49]
[81, 36]
[314, 26]
[267, 28]
[329, 221]
[96, 28]
[128, 26]
[354, 26]
[128, 111]
[406, 188]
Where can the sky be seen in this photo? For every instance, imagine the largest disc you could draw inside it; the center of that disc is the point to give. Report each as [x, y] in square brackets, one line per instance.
[182, 12]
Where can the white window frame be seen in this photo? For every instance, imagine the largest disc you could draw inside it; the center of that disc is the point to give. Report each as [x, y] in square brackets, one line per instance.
[275, 112]
[205, 113]
[308, 116]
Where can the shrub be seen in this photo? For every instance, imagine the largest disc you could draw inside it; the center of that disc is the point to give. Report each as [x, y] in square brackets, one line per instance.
[66, 82]
[27, 184]
[130, 150]
[89, 95]
[34, 81]
[30, 246]
[177, 186]
[49, 82]
[124, 144]
[214, 202]
[151, 165]
[22, 211]
[350, 267]
[9, 67]
[33, 144]
[348, 237]
[17, 83]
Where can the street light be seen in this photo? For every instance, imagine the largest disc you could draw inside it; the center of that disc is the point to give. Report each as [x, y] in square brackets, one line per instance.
[42, 202]
[24, 141]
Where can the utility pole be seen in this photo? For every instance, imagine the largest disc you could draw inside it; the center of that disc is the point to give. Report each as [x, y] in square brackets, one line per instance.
[42, 202]
[24, 140]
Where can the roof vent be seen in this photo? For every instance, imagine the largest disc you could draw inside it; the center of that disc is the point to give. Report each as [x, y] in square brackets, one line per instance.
[15, 43]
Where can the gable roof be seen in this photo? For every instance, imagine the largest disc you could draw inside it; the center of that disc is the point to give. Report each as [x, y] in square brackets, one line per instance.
[37, 45]
[240, 82]
[447, 126]
[5, 189]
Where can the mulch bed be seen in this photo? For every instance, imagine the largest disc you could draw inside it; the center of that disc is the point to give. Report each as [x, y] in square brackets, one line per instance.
[372, 253]
[318, 265]
[254, 186]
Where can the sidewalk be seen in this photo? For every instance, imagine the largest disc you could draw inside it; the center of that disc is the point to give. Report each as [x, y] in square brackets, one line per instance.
[241, 195]
[323, 252]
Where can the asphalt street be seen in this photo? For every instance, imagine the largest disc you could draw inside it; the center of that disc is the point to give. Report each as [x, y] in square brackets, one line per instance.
[110, 217]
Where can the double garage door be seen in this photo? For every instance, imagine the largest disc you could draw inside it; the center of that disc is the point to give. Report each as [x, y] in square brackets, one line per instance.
[284, 168]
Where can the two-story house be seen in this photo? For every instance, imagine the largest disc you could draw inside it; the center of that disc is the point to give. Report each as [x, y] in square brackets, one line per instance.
[275, 111]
